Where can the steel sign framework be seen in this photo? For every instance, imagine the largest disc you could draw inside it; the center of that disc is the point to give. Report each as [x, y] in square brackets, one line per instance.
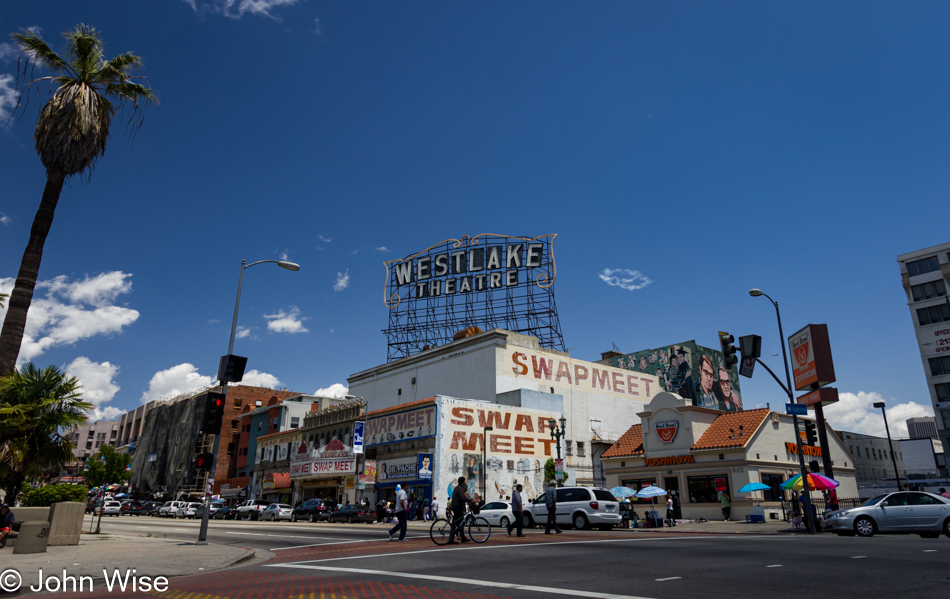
[487, 281]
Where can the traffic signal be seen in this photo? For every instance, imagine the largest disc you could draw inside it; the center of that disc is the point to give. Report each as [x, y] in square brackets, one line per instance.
[811, 433]
[231, 368]
[729, 350]
[203, 461]
[214, 414]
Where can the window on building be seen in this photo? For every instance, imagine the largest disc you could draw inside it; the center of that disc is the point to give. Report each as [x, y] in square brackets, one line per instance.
[885, 454]
[940, 365]
[867, 452]
[295, 423]
[945, 414]
[928, 290]
[774, 492]
[570, 447]
[98, 443]
[923, 266]
[260, 425]
[114, 433]
[702, 489]
[933, 314]
[943, 391]
[580, 449]
[88, 444]
[92, 434]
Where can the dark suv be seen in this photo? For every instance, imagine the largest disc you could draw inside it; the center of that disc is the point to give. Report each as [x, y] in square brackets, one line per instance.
[312, 510]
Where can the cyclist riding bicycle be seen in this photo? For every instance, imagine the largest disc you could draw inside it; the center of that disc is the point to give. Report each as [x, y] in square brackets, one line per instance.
[460, 498]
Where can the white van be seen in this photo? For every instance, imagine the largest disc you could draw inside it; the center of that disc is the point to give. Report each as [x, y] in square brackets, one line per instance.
[580, 507]
[170, 509]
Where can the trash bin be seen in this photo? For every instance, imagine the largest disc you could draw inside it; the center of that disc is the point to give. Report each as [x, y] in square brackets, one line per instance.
[33, 537]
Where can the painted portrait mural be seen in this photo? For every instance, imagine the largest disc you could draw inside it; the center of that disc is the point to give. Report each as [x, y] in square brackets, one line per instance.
[691, 371]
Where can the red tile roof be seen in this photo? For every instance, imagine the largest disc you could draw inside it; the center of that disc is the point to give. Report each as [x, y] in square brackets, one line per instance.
[732, 429]
[402, 406]
[629, 444]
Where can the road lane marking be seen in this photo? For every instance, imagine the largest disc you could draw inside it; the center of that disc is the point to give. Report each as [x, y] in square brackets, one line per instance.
[261, 534]
[670, 578]
[774, 566]
[930, 550]
[858, 556]
[467, 581]
[333, 543]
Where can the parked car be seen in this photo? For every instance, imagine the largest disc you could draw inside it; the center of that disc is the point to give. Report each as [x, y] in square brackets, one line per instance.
[251, 509]
[580, 507]
[109, 508]
[151, 508]
[902, 512]
[224, 513]
[353, 513]
[498, 513]
[91, 505]
[277, 511]
[189, 510]
[132, 508]
[311, 510]
[170, 509]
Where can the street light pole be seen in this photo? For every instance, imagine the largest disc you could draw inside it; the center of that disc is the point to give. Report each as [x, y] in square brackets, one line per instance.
[485, 430]
[806, 507]
[557, 434]
[291, 266]
[897, 476]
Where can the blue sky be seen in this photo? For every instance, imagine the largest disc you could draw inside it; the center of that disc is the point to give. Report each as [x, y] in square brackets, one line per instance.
[711, 147]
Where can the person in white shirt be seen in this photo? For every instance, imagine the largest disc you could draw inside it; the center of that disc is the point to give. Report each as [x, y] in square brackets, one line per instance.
[402, 512]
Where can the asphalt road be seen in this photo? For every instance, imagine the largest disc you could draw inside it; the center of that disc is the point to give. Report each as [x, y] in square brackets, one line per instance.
[356, 561]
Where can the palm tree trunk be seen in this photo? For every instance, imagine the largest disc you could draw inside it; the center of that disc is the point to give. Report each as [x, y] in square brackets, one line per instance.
[19, 304]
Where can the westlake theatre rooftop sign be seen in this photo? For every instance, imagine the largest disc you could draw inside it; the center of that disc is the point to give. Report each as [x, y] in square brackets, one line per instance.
[486, 281]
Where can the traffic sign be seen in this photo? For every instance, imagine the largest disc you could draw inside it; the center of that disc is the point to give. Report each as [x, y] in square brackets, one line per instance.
[794, 409]
[747, 366]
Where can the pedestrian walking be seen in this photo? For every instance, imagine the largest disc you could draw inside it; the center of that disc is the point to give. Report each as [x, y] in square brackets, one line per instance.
[381, 510]
[434, 508]
[726, 505]
[459, 498]
[550, 502]
[402, 507]
[670, 512]
[517, 510]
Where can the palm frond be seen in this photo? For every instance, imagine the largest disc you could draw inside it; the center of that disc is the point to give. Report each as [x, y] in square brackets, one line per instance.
[39, 52]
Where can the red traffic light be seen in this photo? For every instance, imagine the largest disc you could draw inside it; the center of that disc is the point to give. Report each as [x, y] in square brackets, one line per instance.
[203, 461]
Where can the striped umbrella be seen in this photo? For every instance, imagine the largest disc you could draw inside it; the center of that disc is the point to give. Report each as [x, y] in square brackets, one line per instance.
[816, 482]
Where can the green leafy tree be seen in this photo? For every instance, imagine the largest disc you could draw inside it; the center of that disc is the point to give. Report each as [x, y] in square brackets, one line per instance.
[107, 467]
[70, 137]
[35, 405]
[548, 472]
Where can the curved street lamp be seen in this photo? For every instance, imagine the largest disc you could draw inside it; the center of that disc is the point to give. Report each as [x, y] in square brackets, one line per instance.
[897, 476]
[807, 516]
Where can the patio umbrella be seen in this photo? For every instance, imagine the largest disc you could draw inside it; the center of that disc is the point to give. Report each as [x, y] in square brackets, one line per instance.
[816, 482]
[754, 487]
[651, 493]
[622, 492]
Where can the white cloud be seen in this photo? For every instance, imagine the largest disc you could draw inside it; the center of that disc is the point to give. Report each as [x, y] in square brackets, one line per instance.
[354, 252]
[317, 27]
[342, 280]
[631, 280]
[236, 9]
[177, 380]
[8, 97]
[256, 378]
[242, 332]
[4, 219]
[98, 387]
[286, 321]
[856, 413]
[8, 51]
[382, 248]
[334, 390]
[324, 239]
[285, 256]
[72, 311]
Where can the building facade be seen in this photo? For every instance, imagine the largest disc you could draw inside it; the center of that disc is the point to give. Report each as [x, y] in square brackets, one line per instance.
[925, 275]
[599, 401]
[874, 466]
[922, 428]
[696, 453]
[88, 438]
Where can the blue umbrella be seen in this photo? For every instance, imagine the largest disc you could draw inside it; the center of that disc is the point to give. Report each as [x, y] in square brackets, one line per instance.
[649, 492]
[754, 487]
[622, 492]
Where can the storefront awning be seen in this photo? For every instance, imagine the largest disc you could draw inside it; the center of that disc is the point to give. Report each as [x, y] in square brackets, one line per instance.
[277, 481]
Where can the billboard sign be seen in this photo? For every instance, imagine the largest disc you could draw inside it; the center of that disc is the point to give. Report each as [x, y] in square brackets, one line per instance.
[400, 426]
[666, 431]
[812, 366]
[824, 396]
[425, 466]
[486, 281]
[396, 470]
[358, 436]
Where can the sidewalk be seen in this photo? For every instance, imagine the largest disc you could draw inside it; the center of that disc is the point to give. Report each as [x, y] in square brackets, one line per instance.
[711, 527]
[149, 556]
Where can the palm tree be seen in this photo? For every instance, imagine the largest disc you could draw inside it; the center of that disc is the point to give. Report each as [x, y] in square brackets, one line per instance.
[70, 136]
[35, 405]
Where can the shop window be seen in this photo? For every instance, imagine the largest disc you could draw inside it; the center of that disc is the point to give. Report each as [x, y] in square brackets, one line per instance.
[774, 492]
[581, 452]
[702, 489]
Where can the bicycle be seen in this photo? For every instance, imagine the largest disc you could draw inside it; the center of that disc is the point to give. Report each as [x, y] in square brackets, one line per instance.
[442, 531]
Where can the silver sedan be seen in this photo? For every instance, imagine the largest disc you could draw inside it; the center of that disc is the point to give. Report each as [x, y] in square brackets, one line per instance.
[277, 511]
[903, 512]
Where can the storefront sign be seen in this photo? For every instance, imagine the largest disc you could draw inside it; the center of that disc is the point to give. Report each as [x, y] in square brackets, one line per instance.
[368, 475]
[358, 436]
[670, 460]
[811, 357]
[558, 371]
[720, 484]
[398, 469]
[666, 431]
[425, 466]
[322, 466]
[824, 396]
[392, 428]
[806, 449]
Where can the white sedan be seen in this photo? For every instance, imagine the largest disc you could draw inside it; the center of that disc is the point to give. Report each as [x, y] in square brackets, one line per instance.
[498, 513]
[109, 508]
[277, 511]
